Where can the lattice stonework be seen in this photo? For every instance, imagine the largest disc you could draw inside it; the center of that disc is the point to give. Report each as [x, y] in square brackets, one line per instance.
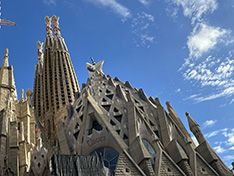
[75, 123]
[112, 105]
[142, 108]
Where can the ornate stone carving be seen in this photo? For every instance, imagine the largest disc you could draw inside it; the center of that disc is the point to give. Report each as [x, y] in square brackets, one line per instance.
[48, 25]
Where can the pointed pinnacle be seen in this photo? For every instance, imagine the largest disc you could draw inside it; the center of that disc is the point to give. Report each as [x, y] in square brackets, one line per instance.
[6, 52]
[191, 121]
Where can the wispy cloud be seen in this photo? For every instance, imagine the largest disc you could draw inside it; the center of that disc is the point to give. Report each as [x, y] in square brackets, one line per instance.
[114, 6]
[144, 2]
[229, 157]
[230, 136]
[140, 27]
[204, 38]
[214, 73]
[226, 144]
[219, 149]
[214, 133]
[208, 123]
[195, 9]
[49, 2]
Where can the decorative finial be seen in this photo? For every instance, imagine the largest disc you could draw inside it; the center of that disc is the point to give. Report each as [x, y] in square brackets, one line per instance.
[55, 24]
[48, 25]
[6, 52]
[55, 20]
[48, 20]
[39, 49]
[29, 93]
[92, 61]
[39, 45]
[22, 94]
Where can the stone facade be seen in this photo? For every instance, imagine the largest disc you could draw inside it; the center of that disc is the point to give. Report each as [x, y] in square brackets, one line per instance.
[107, 127]
[17, 125]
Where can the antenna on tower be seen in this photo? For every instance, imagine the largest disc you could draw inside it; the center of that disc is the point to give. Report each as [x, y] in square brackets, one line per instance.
[5, 22]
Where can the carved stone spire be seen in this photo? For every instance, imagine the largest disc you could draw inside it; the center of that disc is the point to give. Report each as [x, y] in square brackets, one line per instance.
[56, 84]
[195, 129]
[7, 82]
[39, 50]
[37, 88]
[48, 25]
[5, 59]
[55, 25]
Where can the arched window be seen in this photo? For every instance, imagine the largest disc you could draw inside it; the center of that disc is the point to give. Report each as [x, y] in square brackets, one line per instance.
[151, 151]
[109, 155]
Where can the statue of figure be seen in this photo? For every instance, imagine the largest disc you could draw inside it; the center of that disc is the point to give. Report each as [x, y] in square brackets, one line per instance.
[6, 52]
[55, 20]
[39, 45]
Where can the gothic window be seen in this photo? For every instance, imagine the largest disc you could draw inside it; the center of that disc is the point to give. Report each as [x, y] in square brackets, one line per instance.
[151, 151]
[109, 155]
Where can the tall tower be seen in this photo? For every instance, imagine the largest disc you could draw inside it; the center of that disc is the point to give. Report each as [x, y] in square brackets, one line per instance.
[7, 82]
[38, 91]
[58, 82]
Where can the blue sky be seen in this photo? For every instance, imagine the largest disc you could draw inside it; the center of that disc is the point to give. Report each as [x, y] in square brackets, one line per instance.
[181, 51]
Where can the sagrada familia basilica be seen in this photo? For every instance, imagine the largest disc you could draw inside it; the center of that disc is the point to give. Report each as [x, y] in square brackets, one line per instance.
[106, 127]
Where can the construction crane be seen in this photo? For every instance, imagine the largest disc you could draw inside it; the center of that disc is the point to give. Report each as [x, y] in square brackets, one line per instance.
[5, 22]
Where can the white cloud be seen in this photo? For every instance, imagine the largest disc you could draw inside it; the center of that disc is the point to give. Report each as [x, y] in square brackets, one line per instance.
[144, 2]
[212, 73]
[231, 148]
[113, 5]
[228, 157]
[214, 133]
[208, 123]
[195, 9]
[204, 38]
[177, 90]
[211, 134]
[226, 92]
[49, 2]
[230, 136]
[219, 149]
[141, 25]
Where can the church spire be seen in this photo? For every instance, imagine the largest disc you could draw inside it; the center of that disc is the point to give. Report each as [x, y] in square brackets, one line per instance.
[5, 59]
[37, 88]
[56, 85]
[59, 43]
[195, 129]
[49, 34]
[7, 82]
[55, 21]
